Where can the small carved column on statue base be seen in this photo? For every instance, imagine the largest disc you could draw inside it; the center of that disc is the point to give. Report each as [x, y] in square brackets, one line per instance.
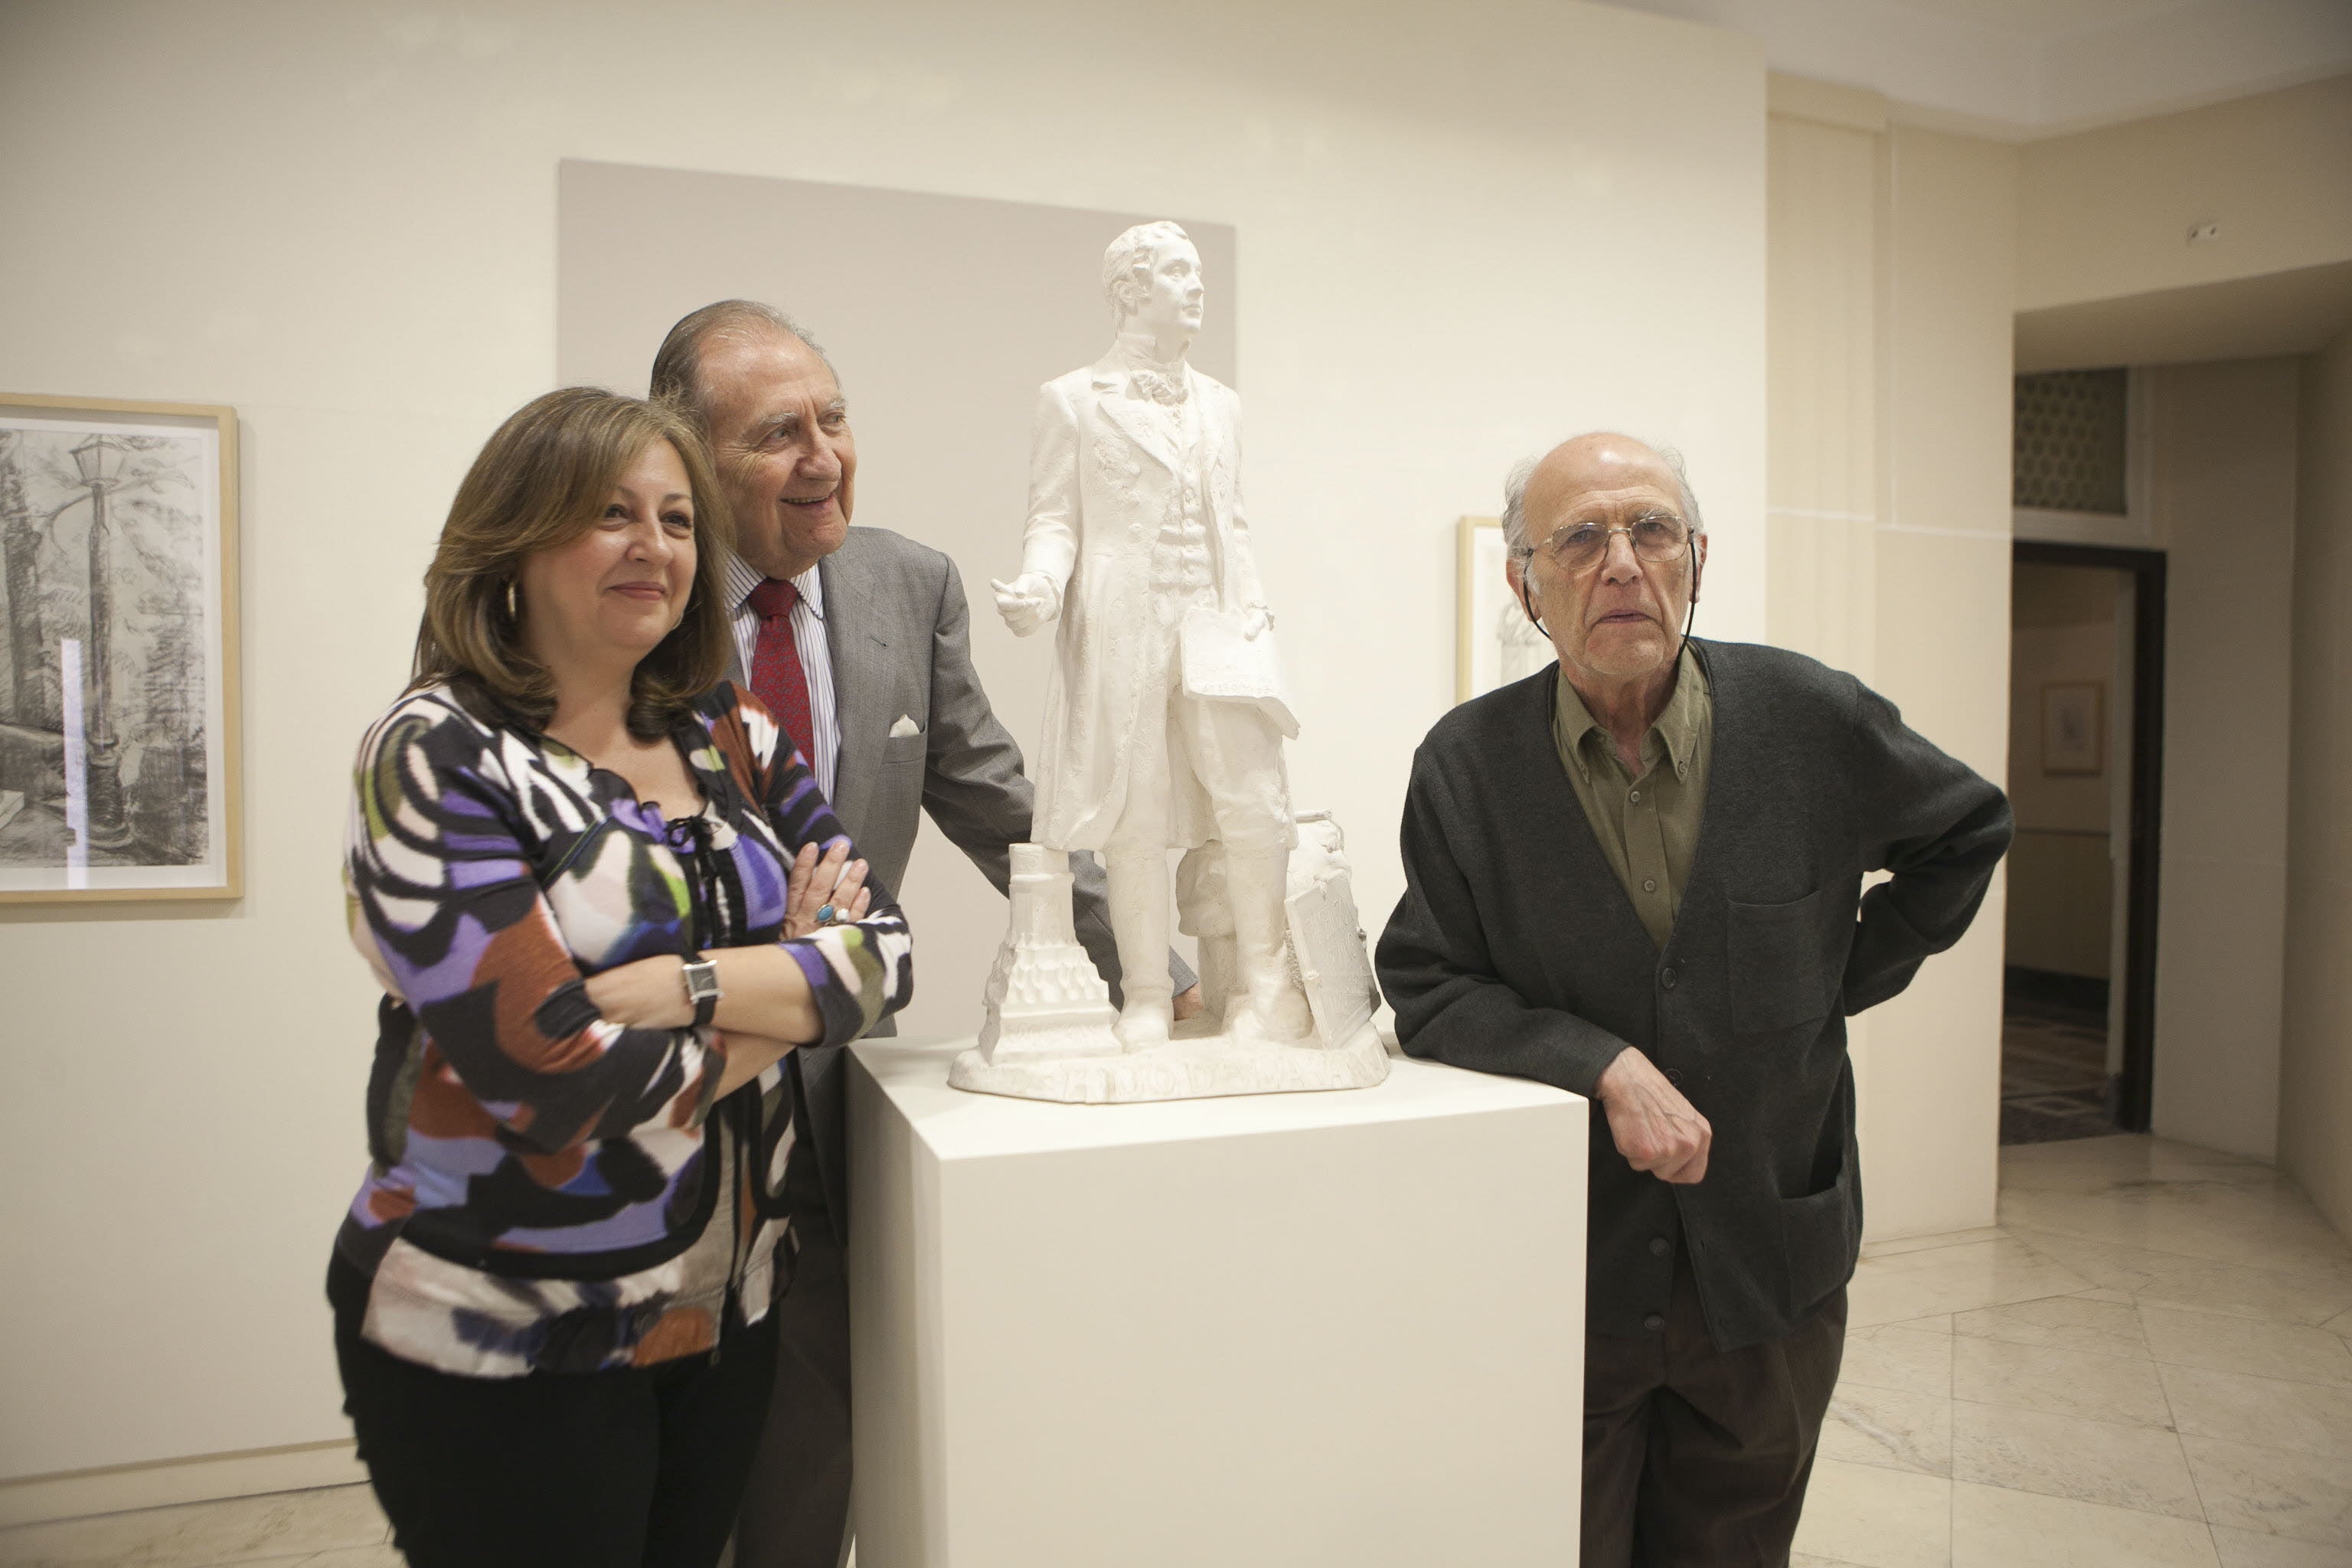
[1045, 996]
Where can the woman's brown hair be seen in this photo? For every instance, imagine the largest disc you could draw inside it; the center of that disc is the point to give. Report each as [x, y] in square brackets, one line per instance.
[539, 483]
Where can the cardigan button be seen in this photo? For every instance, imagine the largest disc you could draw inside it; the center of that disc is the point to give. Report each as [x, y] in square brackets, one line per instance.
[1666, 977]
[1660, 1247]
[1653, 1323]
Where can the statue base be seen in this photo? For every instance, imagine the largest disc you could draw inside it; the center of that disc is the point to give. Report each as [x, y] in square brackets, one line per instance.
[1195, 1065]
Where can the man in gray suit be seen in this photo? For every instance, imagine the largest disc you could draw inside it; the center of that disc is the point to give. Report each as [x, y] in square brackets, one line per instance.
[858, 640]
[1638, 874]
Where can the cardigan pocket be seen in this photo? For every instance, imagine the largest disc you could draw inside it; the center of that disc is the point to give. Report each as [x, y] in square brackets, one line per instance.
[1775, 969]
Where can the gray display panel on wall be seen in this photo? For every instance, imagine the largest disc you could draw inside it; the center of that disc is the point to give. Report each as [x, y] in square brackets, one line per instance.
[943, 316]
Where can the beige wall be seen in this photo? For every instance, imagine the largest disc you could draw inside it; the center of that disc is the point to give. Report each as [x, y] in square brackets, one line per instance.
[341, 219]
[2222, 502]
[2061, 880]
[2315, 1055]
[2108, 213]
[1887, 481]
[1932, 1103]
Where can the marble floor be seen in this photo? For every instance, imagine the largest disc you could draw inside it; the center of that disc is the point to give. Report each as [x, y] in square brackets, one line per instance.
[2144, 1364]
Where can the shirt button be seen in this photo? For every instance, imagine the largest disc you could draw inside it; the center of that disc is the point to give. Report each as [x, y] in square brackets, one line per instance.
[1666, 978]
[1637, 797]
[1660, 1247]
[1653, 1323]
[1649, 885]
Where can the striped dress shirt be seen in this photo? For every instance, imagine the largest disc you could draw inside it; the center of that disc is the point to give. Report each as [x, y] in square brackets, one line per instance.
[816, 658]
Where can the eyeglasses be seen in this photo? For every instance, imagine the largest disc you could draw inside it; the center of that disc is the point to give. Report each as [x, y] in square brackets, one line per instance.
[1657, 537]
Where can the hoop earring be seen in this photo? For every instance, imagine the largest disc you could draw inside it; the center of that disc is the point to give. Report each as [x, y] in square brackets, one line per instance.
[511, 612]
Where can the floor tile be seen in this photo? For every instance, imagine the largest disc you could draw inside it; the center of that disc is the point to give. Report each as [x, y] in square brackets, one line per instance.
[2099, 1164]
[2065, 1456]
[2197, 1283]
[1898, 1356]
[2245, 1549]
[1876, 1518]
[1954, 1279]
[1807, 1559]
[1928, 1243]
[2340, 1325]
[282, 1524]
[382, 1556]
[1887, 1426]
[2257, 1227]
[2290, 1350]
[2063, 1322]
[2061, 1382]
[1993, 1527]
[2263, 1411]
[2304, 1497]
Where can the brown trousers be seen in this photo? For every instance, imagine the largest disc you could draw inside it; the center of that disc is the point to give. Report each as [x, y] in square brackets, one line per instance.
[1697, 1458]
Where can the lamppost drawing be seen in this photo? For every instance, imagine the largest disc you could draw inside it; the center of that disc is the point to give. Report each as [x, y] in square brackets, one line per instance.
[99, 460]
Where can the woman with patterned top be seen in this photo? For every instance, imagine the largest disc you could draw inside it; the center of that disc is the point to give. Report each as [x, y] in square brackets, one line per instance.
[604, 901]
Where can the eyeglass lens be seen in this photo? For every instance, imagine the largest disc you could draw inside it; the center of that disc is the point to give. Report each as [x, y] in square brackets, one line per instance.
[1654, 539]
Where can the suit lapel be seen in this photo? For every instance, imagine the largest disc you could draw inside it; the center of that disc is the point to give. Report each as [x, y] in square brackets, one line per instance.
[861, 686]
[1131, 417]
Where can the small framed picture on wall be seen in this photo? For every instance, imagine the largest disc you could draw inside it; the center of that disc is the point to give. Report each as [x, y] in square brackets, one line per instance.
[1495, 642]
[2074, 733]
[118, 650]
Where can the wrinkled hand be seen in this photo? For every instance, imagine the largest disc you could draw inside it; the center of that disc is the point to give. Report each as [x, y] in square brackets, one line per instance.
[1656, 1128]
[1028, 602]
[835, 880]
[649, 993]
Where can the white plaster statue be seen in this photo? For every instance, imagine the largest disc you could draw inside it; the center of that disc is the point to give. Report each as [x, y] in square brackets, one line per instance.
[1164, 727]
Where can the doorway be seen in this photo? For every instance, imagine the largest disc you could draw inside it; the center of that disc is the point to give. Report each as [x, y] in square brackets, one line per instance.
[2086, 683]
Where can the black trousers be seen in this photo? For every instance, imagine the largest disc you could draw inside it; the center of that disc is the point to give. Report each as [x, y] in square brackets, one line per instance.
[795, 1510]
[1697, 1458]
[627, 1469]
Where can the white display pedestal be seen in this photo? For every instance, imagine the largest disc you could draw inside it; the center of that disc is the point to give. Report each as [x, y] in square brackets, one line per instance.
[1297, 1328]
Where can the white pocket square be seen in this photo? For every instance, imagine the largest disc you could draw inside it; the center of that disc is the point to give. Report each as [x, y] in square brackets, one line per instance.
[904, 726]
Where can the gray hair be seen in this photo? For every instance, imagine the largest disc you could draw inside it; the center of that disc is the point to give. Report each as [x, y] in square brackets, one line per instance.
[1515, 494]
[677, 364]
[1130, 251]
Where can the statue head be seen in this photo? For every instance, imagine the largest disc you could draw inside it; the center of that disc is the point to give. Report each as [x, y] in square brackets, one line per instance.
[1151, 276]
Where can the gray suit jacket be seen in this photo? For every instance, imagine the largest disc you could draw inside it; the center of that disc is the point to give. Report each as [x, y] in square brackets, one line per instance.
[1516, 950]
[899, 633]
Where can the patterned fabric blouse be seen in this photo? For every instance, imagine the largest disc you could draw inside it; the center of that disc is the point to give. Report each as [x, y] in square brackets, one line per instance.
[541, 1176]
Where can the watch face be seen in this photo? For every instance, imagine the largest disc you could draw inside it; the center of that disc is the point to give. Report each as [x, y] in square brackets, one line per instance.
[701, 981]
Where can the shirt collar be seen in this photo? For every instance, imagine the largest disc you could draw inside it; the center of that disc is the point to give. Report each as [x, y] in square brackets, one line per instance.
[1678, 728]
[743, 577]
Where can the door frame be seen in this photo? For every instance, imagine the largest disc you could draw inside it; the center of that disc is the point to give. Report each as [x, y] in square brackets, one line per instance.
[2145, 850]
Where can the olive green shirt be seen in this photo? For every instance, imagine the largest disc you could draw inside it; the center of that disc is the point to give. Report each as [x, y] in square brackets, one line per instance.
[1648, 826]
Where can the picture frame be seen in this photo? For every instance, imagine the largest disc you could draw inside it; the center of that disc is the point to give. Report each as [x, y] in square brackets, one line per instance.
[119, 651]
[1494, 643]
[2074, 728]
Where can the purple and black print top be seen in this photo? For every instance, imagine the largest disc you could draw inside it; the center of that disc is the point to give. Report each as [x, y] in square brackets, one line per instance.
[543, 1182]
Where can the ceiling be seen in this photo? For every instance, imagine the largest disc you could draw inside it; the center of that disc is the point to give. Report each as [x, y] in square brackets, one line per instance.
[2021, 69]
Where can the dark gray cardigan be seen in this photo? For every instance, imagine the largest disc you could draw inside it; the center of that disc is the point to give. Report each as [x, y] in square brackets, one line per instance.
[1516, 950]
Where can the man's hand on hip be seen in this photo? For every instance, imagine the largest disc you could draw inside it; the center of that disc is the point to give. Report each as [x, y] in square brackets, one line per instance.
[1656, 1128]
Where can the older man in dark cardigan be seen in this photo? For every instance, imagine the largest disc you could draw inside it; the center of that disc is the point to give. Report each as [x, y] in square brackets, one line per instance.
[1638, 875]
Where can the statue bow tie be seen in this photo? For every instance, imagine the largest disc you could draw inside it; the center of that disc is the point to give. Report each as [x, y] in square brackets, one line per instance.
[1157, 387]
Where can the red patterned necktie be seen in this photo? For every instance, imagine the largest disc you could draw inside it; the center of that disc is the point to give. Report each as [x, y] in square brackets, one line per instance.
[778, 679]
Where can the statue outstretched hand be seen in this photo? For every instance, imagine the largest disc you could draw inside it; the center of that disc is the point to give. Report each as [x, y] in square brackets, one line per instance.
[1028, 602]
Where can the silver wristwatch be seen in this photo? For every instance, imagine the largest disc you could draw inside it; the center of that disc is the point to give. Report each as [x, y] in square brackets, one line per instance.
[702, 987]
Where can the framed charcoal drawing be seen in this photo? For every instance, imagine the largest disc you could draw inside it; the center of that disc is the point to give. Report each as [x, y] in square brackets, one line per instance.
[2073, 735]
[119, 665]
[1494, 643]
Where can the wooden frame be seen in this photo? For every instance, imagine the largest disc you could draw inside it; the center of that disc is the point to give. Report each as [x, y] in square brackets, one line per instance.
[1492, 639]
[2074, 728]
[120, 747]
[2144, 845]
